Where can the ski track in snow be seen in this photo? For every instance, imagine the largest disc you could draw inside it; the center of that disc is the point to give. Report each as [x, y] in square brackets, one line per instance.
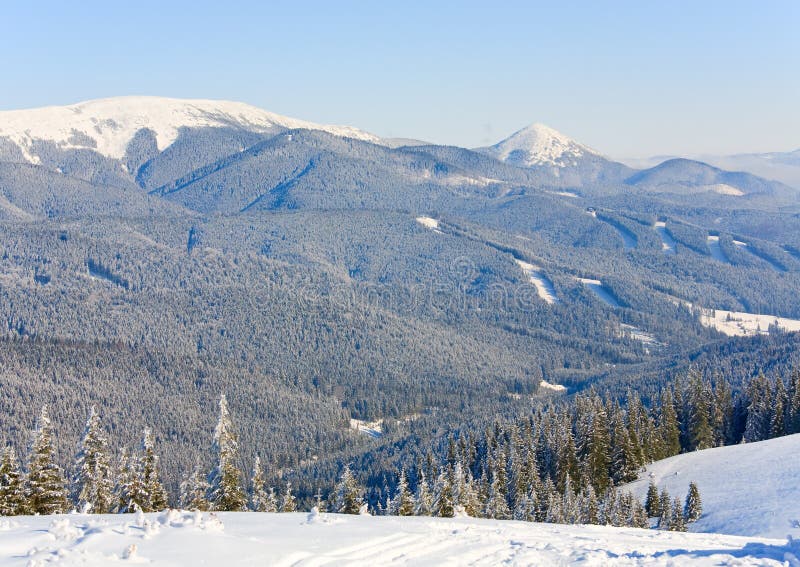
[716, 250]
[668, 244]
[544, 287]
[314, 540]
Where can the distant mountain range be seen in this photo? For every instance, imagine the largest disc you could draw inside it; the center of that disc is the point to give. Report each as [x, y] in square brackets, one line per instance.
[185, 248]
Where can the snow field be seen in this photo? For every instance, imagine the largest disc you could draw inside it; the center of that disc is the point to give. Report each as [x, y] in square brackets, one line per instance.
[750, 489]
[108, 125]
[544, 287]
[232, 539]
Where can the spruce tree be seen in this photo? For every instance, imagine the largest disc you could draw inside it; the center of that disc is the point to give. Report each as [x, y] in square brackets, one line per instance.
[443, 505]
[403, 503]
[155, 497]
[693, 508]
[669, 425]
[423, 505]
[677, 522]
[94, 481]
[45, 491]
[258, 493]
[194, 489]
[652, 503]
[348, 493]
[289, 502]
[665, 510]
[779, 403]
[701, 435]
[226, 480]
[12, 485]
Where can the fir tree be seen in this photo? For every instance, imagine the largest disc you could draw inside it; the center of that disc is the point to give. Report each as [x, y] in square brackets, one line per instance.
[94, 482]
[701, 435]
[155, 497]
[194, 489]
[652, 504]
[443, 504]
[349, 494]
[289, 502]
[677, 522]
[258, 493]
[669, 426]
[226, 479]
[12, 485]
[693, 508]
[423, 499]
[403, 503]
[664, 510]
[45, 485]
[779, 403]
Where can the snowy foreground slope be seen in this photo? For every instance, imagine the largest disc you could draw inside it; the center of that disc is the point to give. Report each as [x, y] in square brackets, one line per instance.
[751, 489]
[230, 539]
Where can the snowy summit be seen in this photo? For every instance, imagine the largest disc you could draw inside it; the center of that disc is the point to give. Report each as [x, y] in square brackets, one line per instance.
[538, 144]
[108, 125]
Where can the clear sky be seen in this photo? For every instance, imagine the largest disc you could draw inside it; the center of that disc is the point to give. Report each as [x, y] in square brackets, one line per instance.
[629, 78]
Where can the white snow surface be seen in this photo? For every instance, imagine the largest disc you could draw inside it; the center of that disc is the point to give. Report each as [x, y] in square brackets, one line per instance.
[544, 287]
[236, 539]
[749, 489]
[538, 144]
[110, 124]
[740, 324]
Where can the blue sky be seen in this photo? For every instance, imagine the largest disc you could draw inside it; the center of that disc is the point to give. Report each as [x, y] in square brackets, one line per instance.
[627, 78]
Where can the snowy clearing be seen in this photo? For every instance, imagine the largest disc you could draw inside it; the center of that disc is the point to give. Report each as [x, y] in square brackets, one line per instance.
[371, 428]
[430, 223]
[544, 287]
[600, 291]
[668, 244]
[716, 250]
[750, 489]
[544, 384]
[722, 189]
[740, 324]
[233, 539]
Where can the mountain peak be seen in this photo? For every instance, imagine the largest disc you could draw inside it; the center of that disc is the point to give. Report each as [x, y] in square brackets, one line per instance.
[108, 125]
[539, 144]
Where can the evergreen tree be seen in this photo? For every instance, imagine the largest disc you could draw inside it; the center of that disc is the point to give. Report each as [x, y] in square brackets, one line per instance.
[693, 508]
[194, 489]
[677, 522]
[652, 504]
[423, 498]
[155, 497]
[496, 506]
[12, 485]
[759, 410]
[779, 403]
[669, 425]
[403, 503]
[289, 502]
[45, 485]
[599, 460]
[348, 493]
[258, 493]
[664, 510]
[793, 419]
[94, 482]
[226, 479]
[701, 435]
[443, 505]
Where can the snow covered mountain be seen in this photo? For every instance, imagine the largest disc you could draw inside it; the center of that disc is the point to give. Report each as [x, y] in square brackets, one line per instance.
[108, 125]
[232, 539]
[537, 145]
[751, 489]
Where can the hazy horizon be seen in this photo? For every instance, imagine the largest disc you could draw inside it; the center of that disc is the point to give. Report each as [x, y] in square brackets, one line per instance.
[626, 79]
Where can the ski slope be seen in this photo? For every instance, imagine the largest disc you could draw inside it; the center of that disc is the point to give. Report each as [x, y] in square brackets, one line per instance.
[750, 490]
[237, 539]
